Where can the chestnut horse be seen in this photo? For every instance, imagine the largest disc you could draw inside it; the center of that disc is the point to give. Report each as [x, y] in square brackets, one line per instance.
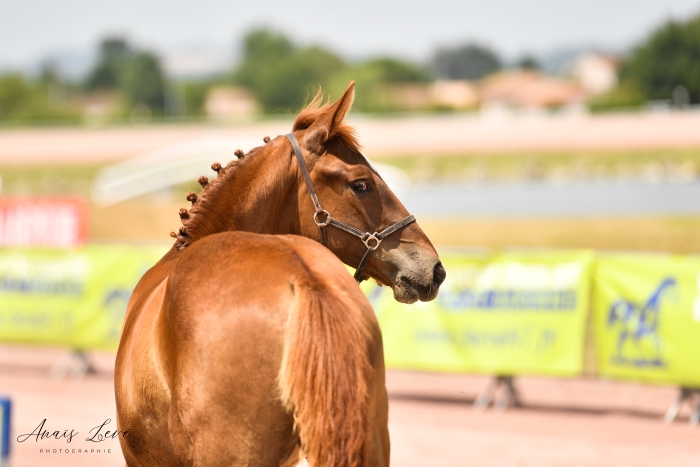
[241, 348]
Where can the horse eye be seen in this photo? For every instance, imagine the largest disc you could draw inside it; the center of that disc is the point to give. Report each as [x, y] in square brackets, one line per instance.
[360, 186]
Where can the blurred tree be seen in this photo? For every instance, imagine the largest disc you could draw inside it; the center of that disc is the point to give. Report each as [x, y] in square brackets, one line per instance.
[137, 75]
[377, 80]
[15, 93]
[49, 73]
[193, 95]
[115, 54]
[391, 70]
[625, 95]
[470, 62]
[143, 82]
[669, 58]
[263, 44]
[528, 62]
[26, 101]
[280, 74]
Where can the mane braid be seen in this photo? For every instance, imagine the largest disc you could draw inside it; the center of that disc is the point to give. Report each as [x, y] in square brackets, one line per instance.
[318, 105]
[200, 217]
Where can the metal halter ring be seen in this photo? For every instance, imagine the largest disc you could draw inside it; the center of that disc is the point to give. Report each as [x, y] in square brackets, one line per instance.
[366, 238]
[322, 224]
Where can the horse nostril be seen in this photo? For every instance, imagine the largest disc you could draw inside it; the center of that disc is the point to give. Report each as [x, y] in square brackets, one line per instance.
[439, 275]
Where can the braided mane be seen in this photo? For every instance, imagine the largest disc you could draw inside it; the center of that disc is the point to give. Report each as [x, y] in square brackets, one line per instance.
[200, 218]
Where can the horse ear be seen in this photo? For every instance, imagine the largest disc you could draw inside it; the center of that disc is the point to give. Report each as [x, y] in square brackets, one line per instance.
[328, 122]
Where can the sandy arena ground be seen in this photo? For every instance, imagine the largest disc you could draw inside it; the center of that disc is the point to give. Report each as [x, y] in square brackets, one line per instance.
[563, 422]
[418, 135]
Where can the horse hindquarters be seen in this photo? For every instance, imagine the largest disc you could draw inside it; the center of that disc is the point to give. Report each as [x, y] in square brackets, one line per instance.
[332, 378]
[292, 335]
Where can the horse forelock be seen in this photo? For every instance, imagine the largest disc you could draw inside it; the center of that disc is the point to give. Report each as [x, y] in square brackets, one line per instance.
[314, 110]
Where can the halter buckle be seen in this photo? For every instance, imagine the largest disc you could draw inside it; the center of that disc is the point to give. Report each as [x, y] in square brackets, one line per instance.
[322, 224]
[368, 237]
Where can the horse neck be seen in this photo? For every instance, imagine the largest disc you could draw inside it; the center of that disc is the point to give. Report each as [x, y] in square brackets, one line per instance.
[250, 194]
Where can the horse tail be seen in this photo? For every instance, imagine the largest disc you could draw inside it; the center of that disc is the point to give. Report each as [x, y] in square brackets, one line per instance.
[325, 373]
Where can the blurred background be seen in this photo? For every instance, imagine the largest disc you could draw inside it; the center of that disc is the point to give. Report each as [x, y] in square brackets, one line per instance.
[490, 98]
[502, 125]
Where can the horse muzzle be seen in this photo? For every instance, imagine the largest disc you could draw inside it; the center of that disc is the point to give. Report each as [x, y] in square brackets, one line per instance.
[411, 287]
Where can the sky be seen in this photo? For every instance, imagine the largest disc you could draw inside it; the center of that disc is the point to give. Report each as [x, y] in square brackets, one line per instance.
[210, 30]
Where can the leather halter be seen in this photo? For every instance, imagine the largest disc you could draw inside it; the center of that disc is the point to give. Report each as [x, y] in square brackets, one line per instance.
[371, 240]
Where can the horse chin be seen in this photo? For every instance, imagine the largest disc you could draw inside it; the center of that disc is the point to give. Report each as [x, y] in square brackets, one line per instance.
[408, 291]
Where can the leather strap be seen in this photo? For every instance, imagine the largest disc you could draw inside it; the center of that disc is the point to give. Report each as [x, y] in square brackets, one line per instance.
[323, 237]
[358, 272]
[305, 173]
[399, 225]
[371, 240]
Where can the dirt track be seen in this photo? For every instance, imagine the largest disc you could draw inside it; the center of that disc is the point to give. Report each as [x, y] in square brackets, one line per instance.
[563, 422]
[421, 135]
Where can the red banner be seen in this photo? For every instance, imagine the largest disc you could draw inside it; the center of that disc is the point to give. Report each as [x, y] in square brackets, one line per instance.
[58, 222]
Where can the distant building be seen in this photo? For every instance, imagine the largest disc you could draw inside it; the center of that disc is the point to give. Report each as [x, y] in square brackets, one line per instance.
[407, 97]
[226, 102]
[455, 94]
[596, 73]
[529, 90]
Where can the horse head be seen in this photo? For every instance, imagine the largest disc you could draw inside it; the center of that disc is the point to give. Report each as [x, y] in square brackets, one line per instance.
[269, 191]
[351, 190]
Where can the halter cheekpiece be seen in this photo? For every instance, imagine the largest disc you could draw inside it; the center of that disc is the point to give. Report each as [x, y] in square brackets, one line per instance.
[371, 240]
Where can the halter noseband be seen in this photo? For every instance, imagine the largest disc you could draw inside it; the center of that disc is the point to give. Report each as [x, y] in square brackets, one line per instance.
[371, 240]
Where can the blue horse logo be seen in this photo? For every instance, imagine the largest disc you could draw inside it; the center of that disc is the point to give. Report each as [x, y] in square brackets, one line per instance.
[637, 328]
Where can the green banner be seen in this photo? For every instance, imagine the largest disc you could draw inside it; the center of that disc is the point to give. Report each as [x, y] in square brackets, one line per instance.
[73, 298]
[508, 313]
[505, 313]
[646, 314]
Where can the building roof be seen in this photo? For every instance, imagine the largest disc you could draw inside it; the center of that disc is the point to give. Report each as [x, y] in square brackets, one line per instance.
[529, 89]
